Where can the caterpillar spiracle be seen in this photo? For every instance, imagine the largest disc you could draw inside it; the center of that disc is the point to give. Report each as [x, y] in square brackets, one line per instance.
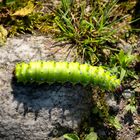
[61, 72]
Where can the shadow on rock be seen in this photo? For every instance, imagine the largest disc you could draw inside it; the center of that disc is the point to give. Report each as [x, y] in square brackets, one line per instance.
[57, 103]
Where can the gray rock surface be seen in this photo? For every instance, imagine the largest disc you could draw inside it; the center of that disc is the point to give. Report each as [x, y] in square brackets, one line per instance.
[37, 112]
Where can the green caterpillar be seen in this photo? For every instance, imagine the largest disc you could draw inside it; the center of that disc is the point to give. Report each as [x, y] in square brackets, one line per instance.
[62, 72]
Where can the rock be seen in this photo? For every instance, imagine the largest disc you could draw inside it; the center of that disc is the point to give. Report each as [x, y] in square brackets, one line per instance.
[127, 93]
[112, 103]
[37, 112]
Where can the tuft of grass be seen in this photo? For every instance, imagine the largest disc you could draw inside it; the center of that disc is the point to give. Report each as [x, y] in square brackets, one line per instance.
[89, 27]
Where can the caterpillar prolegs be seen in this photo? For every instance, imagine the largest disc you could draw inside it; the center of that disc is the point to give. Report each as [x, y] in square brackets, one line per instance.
[61, 72]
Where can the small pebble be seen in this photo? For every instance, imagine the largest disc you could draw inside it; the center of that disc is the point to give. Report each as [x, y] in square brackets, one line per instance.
[127, 93]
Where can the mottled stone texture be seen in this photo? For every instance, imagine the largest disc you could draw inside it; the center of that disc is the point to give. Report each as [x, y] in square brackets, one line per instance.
[37, 112]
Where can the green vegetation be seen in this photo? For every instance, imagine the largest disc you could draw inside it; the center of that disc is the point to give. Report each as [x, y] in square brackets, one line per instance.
[71, 137]
[90, 28]
[91, 136]
[121, 62]
[131, 106]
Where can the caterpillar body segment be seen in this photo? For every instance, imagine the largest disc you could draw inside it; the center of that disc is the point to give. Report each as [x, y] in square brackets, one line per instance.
[61, 72]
